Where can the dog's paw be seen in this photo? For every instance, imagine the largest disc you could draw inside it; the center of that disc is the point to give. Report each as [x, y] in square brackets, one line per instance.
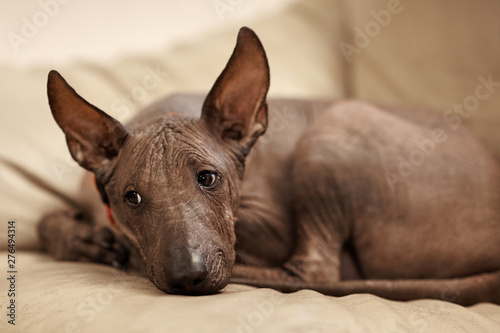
[67, 236]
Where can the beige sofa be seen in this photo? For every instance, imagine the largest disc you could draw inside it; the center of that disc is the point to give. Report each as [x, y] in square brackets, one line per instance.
[415, 53]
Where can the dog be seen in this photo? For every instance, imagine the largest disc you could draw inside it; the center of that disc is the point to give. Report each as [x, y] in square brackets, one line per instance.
[340, 197]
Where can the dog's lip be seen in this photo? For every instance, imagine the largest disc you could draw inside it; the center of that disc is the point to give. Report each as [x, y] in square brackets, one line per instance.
[220, 269]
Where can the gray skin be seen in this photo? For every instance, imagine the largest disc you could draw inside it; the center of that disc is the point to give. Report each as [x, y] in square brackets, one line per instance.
[326, 199]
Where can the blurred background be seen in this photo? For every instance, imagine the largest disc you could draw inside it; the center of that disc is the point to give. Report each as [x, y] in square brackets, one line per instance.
[439, 55]
[103, 30]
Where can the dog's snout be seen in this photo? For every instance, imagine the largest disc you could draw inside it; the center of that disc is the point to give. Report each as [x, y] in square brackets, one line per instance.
[199, 269]
[189, 282]
[189, 273]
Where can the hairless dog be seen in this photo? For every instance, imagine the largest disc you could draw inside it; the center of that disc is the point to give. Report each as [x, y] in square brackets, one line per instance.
[341, 197]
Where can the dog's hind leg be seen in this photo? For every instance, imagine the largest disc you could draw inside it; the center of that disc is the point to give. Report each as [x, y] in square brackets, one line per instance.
[322, 212]
[68, 235]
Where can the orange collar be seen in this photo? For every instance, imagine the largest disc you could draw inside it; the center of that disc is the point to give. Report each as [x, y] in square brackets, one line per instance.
[109, 213]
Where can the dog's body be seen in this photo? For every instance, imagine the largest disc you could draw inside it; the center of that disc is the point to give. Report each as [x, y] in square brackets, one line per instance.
[340, 197]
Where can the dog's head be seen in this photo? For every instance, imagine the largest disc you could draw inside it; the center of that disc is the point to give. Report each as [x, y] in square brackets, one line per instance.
[172, 182]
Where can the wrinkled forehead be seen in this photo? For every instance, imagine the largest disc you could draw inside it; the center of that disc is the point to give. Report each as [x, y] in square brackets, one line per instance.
[167, 146]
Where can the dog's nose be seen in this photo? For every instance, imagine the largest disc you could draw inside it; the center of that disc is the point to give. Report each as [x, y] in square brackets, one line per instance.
[190, 271]
[189, 283]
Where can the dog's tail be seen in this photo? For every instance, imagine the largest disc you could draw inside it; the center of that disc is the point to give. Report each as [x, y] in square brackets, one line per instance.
[466, 291]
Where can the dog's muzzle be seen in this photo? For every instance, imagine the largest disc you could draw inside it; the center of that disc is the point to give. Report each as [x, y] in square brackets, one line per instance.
[193, 272]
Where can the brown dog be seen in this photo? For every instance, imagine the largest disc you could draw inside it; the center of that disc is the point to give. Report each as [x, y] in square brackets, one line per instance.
[341, 197]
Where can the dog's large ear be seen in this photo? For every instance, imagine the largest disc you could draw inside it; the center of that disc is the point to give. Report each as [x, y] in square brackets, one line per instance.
[236, 105]
[93, 137]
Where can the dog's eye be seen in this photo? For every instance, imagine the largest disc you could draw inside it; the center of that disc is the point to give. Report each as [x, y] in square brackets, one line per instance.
[133, 198]
[207, 178]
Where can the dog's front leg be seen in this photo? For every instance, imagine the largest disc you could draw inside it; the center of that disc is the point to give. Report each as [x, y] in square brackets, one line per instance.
[313, 255]
[67, 235]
